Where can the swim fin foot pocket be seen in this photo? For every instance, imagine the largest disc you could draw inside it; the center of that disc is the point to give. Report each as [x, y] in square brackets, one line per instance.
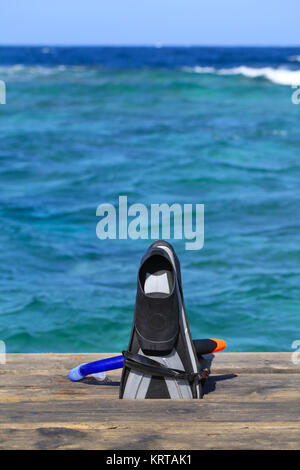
[161, 360]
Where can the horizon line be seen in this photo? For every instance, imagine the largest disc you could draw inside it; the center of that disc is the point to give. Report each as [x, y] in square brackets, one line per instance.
[157, 45]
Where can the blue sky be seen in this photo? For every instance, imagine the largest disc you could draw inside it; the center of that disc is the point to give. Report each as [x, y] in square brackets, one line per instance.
[148, 22]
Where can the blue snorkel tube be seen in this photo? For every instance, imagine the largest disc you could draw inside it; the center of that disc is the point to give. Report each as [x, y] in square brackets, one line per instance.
[96, 367]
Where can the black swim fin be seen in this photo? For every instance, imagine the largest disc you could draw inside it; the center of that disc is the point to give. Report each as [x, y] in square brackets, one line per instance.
[161, 360]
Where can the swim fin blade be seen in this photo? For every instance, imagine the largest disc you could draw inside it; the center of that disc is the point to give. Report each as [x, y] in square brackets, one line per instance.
[161, 360]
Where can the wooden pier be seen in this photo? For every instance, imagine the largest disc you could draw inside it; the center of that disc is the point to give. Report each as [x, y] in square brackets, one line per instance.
[251, 401]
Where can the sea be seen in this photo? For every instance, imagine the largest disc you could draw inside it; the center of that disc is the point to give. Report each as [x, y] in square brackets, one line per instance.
[80, 126]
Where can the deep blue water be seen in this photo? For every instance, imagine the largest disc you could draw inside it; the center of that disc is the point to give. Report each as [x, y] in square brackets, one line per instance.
[189, 125]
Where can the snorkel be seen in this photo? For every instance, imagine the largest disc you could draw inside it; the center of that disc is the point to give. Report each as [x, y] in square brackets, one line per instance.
[98, 368]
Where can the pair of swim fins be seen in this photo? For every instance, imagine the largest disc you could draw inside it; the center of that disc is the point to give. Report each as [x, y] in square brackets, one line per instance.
[161, 360]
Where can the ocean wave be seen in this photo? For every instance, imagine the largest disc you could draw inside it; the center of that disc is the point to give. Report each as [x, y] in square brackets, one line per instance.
[294, 58]
[279, 76]
[37, 70]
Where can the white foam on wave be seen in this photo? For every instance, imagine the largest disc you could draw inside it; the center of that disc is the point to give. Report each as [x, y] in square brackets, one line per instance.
[279, 76]
[27, 73]
[20, 69]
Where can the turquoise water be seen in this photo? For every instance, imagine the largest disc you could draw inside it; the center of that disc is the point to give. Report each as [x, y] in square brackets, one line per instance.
[75, 135]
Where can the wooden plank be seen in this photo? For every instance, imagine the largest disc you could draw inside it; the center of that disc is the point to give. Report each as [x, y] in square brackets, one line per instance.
[162, 436]
[254, 363]
[224, 387]
[148, 411]
[49, 363]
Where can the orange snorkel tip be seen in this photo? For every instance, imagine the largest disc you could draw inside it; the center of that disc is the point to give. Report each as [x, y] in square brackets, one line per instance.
[221, 344]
